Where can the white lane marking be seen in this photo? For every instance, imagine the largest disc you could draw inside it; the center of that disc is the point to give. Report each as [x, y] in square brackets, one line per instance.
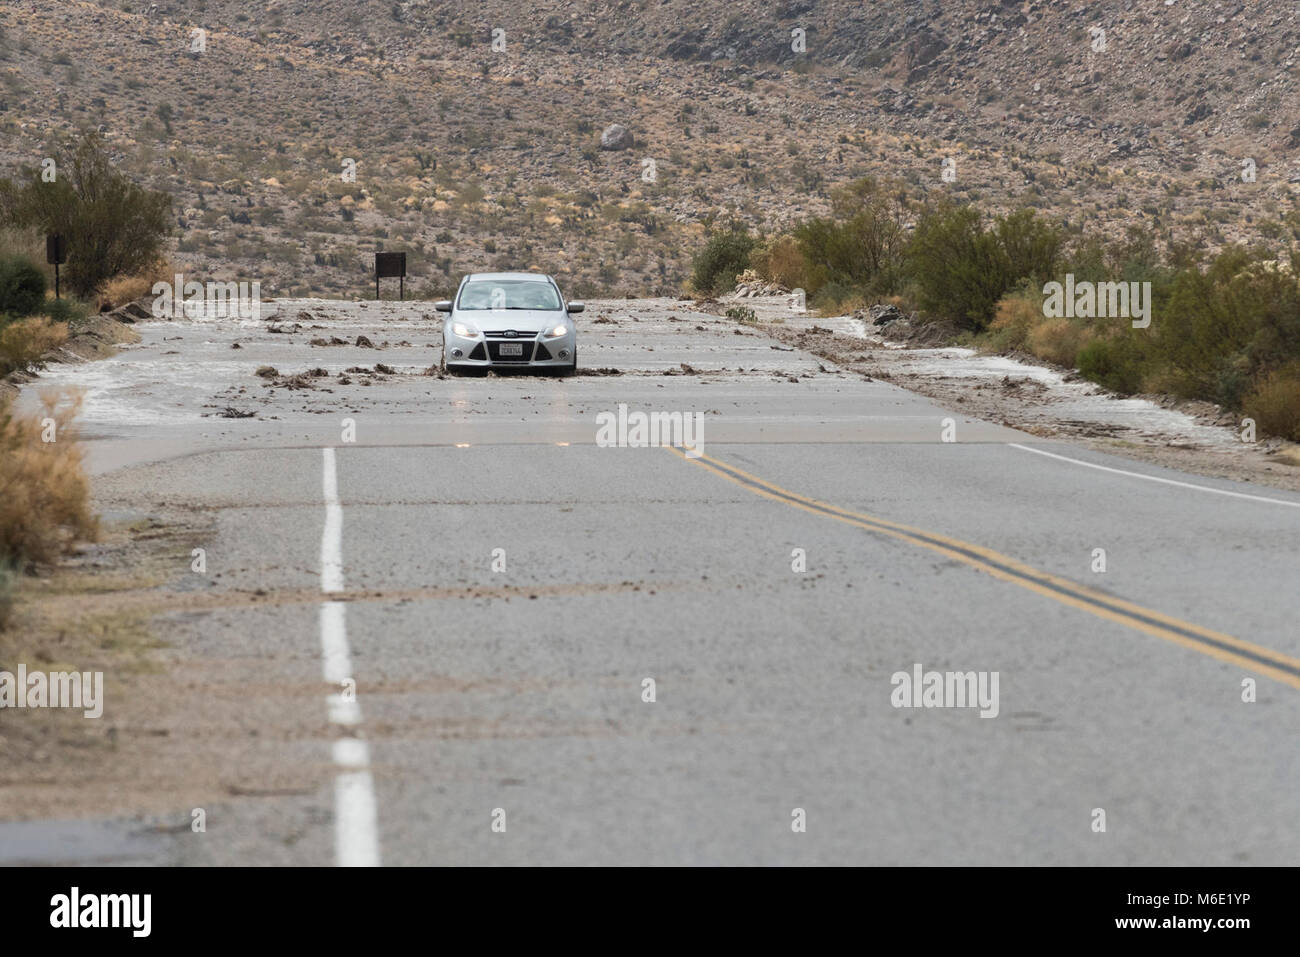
[1156, 478]
[354, 802]
[337, 663]
[356, 829]
[331, 542]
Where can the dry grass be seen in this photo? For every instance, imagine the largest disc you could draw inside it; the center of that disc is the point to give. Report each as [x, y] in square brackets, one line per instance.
[1011, 325]
[1274, 404]
[44, 491]
[120, 290]
[1289, 456]
[28, 243]
[1019, 325]
[25, 341]
[1058, 341]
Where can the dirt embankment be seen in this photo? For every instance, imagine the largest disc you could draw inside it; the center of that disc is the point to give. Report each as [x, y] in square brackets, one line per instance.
[95, 337]
[1022, 392]
[62, 619]
[91, 612]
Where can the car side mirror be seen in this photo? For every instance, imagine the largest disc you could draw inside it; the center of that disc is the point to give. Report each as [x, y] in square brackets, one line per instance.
[576, 306]
[443, 305]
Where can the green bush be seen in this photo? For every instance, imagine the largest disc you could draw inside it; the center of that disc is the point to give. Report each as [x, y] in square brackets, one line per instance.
[724, 256]
[66, 309]
[835, 298]
[1112, 363]
[22, 286]
[860, 246]
[1224, 328]
[955, 266]
[961, 270]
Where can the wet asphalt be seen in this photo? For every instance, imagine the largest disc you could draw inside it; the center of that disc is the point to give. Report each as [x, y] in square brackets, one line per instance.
[511, 586]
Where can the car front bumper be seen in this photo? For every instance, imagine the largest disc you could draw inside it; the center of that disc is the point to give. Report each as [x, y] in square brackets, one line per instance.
[484, 352]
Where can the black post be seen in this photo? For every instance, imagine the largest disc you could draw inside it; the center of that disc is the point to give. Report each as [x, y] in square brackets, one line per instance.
[56, 253]
[401, 289]
[376, 285]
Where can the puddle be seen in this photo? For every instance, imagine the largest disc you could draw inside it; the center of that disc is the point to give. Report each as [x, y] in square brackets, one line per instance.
[76, 842]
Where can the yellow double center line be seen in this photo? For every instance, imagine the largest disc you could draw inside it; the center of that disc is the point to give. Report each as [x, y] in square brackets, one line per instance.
[1215, 644]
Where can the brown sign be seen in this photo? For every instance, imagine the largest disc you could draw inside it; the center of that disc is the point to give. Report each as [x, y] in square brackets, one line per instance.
[390, 265]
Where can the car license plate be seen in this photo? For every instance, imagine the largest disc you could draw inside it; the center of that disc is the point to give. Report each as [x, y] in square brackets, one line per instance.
[512, 348]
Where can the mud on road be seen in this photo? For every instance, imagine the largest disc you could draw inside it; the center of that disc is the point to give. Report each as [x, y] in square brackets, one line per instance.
[1050, 402]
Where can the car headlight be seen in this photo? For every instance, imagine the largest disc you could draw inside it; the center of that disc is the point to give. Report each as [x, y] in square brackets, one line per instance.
[464, 331]
[557, 330]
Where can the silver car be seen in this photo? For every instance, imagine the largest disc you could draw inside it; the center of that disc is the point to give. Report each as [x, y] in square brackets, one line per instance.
[509, 320]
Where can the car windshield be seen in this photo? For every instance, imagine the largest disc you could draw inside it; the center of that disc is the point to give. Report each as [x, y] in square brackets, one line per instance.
[508, 294]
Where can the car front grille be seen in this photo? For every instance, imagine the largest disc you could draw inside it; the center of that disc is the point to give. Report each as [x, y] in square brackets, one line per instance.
[519, 334]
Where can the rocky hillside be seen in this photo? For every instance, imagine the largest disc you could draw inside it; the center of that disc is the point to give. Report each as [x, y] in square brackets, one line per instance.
[475, 130]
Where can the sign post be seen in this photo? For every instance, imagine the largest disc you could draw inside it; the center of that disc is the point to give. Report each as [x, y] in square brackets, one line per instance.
[391, 266]
[56, 254]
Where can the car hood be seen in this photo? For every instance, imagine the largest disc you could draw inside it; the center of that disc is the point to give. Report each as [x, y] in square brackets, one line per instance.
[501, 320]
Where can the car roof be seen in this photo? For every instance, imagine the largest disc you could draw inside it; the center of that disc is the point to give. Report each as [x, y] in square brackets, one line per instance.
[509, 276]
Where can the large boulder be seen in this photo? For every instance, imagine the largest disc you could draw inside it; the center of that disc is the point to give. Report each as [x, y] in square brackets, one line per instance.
[616, 137]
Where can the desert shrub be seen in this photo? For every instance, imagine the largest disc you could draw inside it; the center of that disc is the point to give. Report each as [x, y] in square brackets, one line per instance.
[859, 245]
[954, 265]
[781, 261]
[28, 243]
[66, 310]
[725, 256]
[960, 270]
[1274, 403]
[1135, 258]
[112, 225]
[120, 290]
[24, 341]
[1114, 363]
[1029, 246]
[1058, 340]
[742, 314]
[1015, 316]
[1225, 327]
[837, 298]
[44, 491]
[22, 286]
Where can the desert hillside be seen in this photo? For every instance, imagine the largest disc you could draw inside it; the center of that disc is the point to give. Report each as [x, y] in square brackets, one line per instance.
[476, 133]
